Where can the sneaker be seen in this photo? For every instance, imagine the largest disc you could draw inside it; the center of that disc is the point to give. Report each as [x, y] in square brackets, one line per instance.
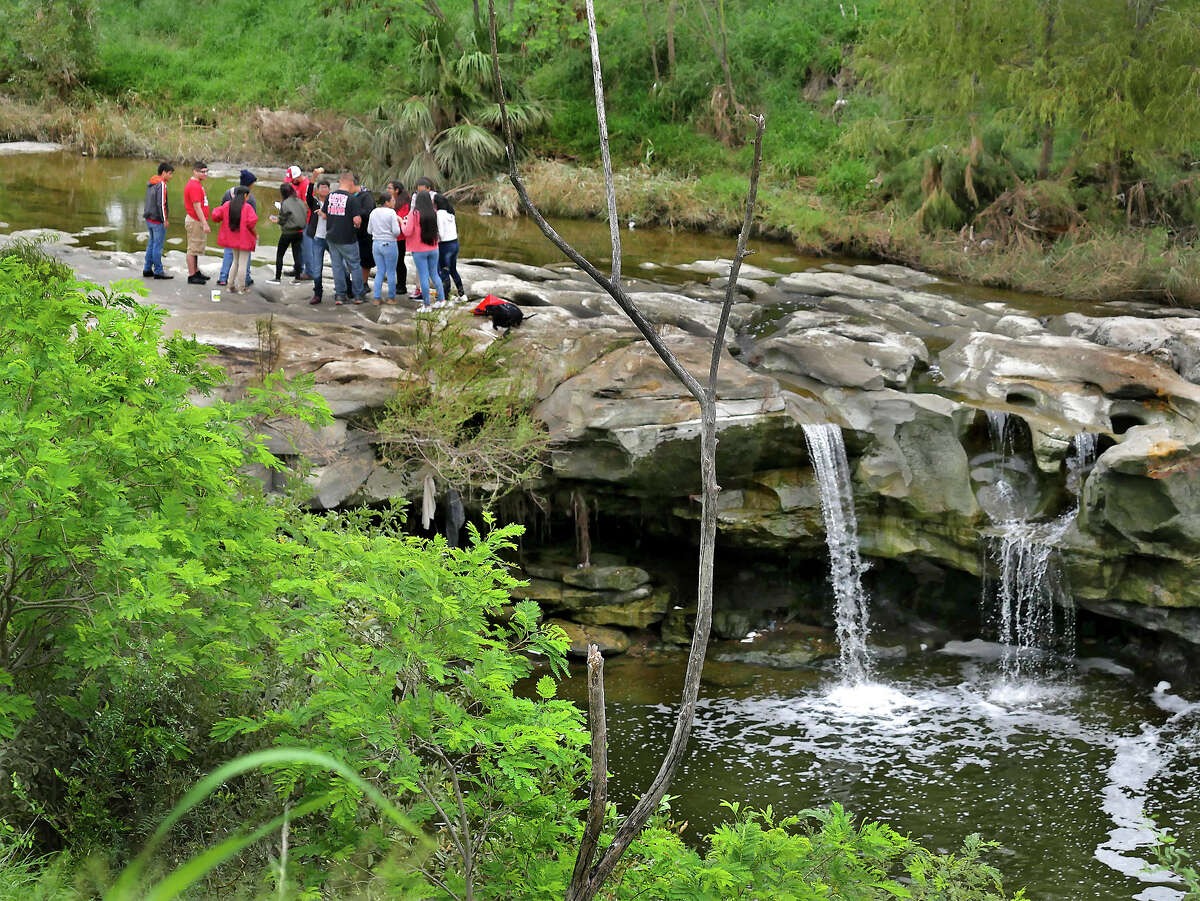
[315, 299]
[274, 281]
[147, 273]
[196, 279]
[304, 277]
[222, 283]
[340, 299]
[362, 298]
[415, 295]
[163, 275]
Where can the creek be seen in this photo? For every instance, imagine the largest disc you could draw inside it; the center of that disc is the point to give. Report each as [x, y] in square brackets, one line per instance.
[1060, 763]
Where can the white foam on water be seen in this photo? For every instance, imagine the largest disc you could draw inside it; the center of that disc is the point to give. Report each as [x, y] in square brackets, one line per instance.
[871, 699]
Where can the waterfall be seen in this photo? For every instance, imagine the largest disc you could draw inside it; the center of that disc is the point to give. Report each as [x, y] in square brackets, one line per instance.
[1082, 457]
[1034, 610]
[828, 454]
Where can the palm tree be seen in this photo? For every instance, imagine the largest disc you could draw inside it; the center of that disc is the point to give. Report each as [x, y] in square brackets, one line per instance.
[448, 127]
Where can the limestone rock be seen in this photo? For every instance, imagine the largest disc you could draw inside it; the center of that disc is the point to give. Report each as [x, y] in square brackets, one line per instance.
[607, 578]
[609, 640]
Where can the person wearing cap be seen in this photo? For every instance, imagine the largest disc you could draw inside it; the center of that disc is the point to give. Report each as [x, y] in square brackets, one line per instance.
[195, 221]
[246, 179]
[311, 269]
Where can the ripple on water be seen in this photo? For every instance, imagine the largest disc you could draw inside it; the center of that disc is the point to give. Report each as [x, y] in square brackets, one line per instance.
[1059, 771]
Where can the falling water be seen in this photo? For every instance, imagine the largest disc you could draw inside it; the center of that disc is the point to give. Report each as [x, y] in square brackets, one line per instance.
[1080, 461]
[1034, 610]
[828, 454]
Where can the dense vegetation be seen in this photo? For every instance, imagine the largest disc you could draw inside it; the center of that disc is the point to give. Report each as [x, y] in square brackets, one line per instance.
[1036, 142]
[159, 615]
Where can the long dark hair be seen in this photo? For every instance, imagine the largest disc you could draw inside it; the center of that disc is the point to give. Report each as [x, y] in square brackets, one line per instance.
[428, 218]
[240, 193]
[442, 202]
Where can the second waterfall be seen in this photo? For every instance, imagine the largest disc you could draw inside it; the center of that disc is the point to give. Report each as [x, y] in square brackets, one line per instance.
[828, 453]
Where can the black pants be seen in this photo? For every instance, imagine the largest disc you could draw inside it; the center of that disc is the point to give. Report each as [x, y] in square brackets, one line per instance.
[293, 240]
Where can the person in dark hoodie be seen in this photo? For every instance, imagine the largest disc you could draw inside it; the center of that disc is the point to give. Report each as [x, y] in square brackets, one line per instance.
[155, 214]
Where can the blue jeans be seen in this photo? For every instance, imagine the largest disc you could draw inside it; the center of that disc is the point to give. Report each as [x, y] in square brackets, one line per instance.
[306, 252]
[316, 262]
[386, 254]
[155, 242]
[448, 267]
[227, 264]
[426, 263]
[345, 257]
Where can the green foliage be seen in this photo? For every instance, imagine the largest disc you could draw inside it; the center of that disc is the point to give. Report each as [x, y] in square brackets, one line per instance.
[47, 47]
[817, 854]
[403, 666]
[128, 547]
[464, 415]
[1169, 855]
[849, 181]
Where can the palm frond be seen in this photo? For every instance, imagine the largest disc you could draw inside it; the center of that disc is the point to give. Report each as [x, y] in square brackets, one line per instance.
[523, 116]
[415, 115]
[466, 150]
[422, 164]
[474, 67]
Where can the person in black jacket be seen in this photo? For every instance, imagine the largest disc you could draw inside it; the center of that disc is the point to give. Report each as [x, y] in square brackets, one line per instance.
[364, 202]
[155, 214]
[342, 221]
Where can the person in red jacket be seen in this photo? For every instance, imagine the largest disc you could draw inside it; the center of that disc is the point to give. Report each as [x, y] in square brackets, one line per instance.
[238, 232]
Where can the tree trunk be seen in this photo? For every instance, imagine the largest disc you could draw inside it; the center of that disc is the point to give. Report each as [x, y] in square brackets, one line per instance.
[653, 42]
[671, 38]
[1047, 156]
[589, 877]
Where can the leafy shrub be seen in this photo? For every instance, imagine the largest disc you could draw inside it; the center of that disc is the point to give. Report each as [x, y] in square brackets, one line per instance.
[849, 181]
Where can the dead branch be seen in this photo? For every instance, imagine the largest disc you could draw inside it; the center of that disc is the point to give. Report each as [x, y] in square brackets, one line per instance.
[588, 877]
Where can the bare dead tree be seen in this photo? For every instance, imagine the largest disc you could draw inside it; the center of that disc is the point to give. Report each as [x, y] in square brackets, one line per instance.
[593, 866]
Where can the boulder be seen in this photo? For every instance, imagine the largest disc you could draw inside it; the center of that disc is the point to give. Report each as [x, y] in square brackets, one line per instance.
[608, 639]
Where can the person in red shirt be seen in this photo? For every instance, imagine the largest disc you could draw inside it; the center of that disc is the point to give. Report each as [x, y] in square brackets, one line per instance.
[195, 222]
[239, 233]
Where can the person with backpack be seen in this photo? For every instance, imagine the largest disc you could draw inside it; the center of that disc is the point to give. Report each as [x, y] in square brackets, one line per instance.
[238, 233]
[292, 218]
[421, 234]
[246, 179]
[447, 247]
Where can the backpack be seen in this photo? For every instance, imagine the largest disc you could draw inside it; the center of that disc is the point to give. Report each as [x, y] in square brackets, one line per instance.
[503, 313]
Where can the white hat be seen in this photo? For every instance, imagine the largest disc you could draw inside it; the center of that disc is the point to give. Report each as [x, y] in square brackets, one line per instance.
[293, 172]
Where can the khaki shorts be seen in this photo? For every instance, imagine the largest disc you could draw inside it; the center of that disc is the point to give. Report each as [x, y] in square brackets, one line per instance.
[197, 239]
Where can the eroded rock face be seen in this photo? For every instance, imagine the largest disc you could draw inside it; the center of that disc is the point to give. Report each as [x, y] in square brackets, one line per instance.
[908, 369]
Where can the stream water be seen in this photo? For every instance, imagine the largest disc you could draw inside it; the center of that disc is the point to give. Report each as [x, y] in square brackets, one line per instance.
[1060, 766]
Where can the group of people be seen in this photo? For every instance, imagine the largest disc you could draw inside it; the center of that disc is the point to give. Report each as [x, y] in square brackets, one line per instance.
[360, 230]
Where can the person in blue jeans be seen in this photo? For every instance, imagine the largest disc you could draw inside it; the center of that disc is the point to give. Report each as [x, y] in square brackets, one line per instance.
[155, 214]
[342, 219]
[246, 179]
[421, 235]
[447, 246]
[384, 229]
[315, 232]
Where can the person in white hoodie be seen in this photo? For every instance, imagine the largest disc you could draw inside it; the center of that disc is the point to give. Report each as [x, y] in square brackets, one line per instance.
[447, 246]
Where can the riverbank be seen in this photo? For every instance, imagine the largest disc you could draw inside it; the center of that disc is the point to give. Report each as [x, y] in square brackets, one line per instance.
[1090, 264]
